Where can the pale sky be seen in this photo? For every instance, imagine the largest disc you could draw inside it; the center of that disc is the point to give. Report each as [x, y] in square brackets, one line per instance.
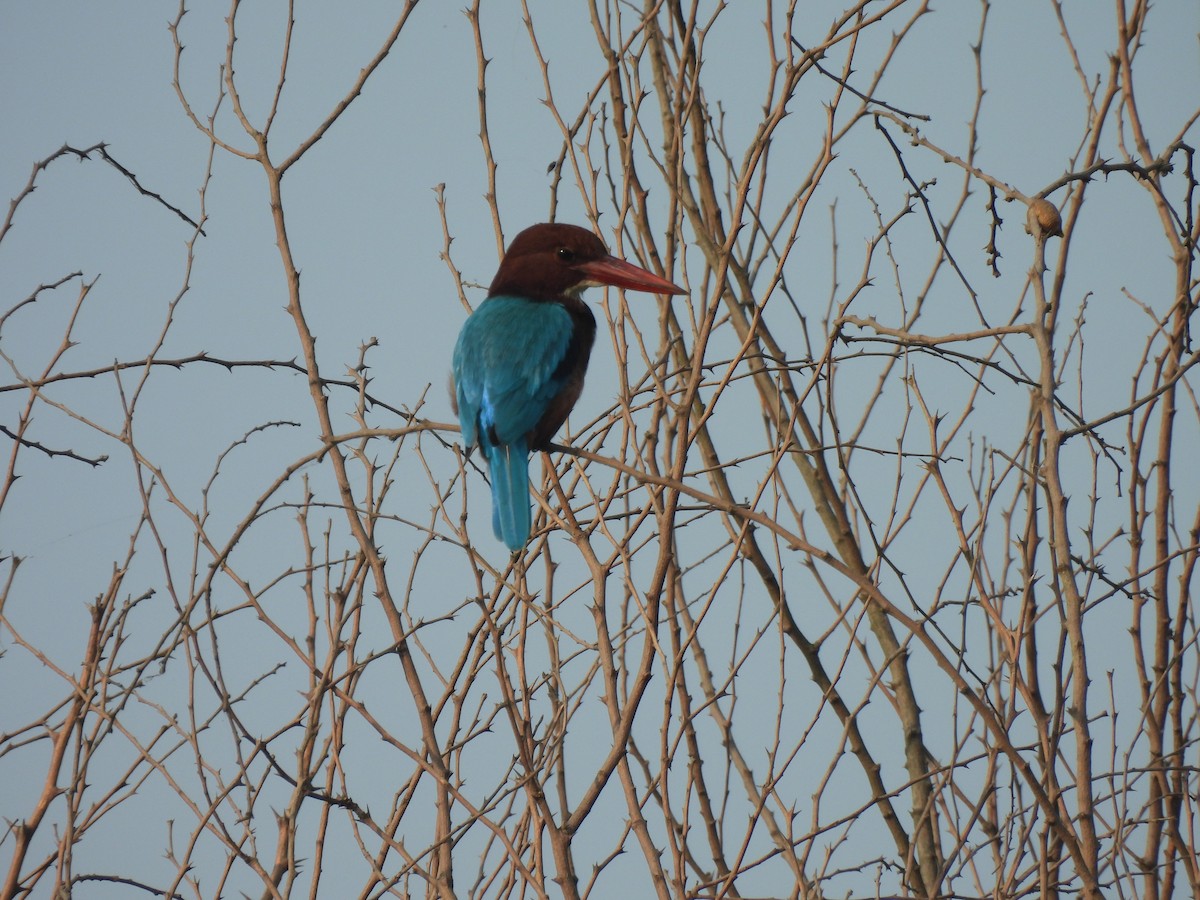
[365, 227]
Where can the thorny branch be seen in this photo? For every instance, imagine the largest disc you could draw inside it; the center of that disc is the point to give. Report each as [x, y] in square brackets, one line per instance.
[914, 618]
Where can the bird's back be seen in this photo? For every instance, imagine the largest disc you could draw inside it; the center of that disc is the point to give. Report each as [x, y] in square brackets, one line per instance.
[509, 367]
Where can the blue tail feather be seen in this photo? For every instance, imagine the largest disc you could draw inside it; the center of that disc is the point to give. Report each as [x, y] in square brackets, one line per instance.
[511, 517]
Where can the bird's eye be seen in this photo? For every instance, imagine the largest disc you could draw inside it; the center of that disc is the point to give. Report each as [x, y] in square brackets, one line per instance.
[566, 254]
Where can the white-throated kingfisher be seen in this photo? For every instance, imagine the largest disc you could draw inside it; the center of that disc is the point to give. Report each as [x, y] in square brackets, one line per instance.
[521, 356]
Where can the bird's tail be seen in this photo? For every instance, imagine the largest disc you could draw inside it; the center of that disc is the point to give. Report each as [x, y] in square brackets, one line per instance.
[511, 520]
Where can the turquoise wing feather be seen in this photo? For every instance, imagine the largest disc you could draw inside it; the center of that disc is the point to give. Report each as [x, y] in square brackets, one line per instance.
[507, 370]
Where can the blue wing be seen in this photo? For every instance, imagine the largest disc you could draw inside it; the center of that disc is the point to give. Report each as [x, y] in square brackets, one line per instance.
[506, 372]
[505, 367]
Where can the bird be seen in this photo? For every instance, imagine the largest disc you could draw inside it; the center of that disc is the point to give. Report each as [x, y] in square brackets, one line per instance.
[520, 358]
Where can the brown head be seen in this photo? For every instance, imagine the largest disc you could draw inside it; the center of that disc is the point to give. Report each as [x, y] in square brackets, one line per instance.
[550, 261]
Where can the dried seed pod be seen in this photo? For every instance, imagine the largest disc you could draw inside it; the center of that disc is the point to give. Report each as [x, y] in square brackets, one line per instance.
[1043, 218]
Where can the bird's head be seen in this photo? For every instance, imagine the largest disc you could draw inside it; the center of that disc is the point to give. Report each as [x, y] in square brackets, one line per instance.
[548, 261]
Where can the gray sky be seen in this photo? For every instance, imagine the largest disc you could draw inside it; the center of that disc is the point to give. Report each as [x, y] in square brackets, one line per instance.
[365, 227]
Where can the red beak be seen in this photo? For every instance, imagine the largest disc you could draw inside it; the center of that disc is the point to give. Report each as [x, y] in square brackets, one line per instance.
[618, 273]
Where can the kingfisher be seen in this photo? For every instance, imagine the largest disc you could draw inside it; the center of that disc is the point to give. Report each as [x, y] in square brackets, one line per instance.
[521, 356]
